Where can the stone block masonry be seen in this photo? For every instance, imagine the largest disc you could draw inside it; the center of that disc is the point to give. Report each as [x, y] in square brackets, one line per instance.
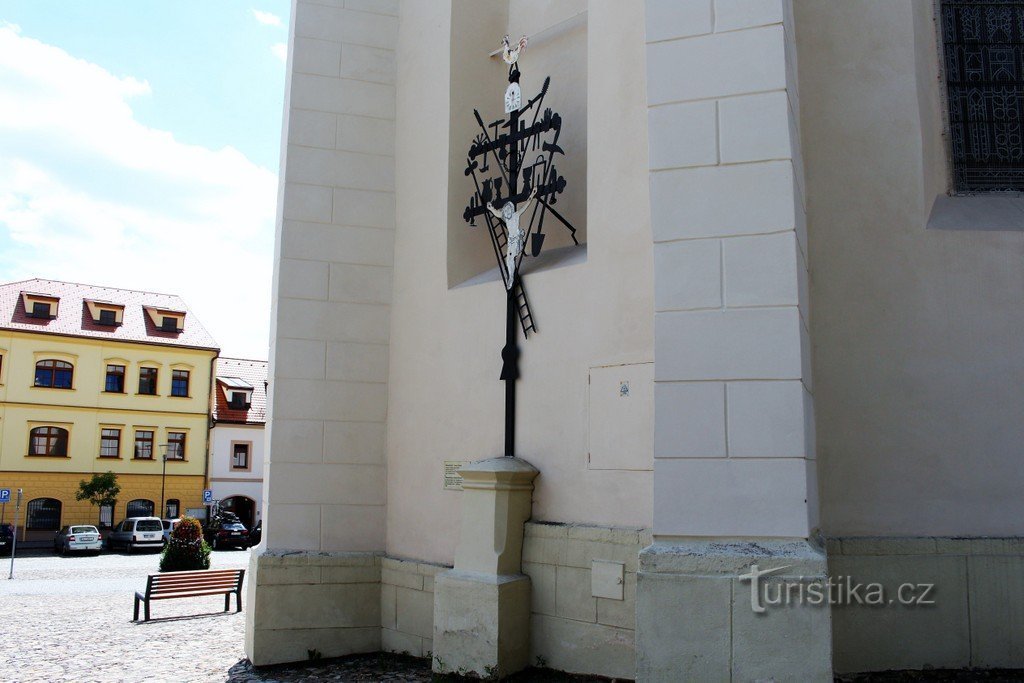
[571, 629]
[407, 606]
[978, 596]
[301, 603]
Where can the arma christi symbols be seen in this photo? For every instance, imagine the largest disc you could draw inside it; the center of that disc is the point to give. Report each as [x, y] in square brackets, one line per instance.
[512, 165]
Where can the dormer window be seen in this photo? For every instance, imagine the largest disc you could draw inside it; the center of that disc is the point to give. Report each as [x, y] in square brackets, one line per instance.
[237, 391]
[165, 319]
[105, 313]
[41, 306]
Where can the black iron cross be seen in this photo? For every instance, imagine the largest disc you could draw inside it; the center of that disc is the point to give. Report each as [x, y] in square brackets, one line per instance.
[523, 154]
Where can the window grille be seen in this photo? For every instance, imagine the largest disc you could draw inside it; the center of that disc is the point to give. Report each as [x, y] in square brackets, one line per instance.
[983, 51]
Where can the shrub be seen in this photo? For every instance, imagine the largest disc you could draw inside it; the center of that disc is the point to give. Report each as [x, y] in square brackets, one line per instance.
[186, 549]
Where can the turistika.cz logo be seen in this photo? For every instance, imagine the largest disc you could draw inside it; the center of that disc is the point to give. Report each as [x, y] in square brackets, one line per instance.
[831, 590]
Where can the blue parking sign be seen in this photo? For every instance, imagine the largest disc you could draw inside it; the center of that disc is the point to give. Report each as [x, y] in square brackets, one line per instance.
[207, 496]
[5, 495]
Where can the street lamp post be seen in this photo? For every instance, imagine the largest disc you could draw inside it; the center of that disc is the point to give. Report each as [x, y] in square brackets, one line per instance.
[163, 479]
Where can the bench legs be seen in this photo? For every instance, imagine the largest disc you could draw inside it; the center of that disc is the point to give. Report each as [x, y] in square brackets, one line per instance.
[138, 599]
[238, 600]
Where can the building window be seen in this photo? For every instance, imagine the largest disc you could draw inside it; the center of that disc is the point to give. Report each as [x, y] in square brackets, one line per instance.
[240, 456]
[106, 516]
[179, 383]
[173, 509]
[147, 381]
[110, 443]
[54, 374]
[140, 507]
[115, 379]
[239, 400]
[43, 513]
[175, 445]
[983, 51]
[40, 309]
[169, 324]
[48, 441]
[108, 317]
[143, 444]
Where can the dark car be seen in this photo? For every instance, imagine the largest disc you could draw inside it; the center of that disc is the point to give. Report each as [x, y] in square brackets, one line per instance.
[256, 535]
[6, 538]
[226, 532]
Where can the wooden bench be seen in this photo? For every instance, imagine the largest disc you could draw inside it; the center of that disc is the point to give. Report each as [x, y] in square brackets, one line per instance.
[192, 584]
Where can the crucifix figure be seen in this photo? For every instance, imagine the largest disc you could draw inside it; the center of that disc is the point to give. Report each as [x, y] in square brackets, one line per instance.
[516, 237]
[503, 146]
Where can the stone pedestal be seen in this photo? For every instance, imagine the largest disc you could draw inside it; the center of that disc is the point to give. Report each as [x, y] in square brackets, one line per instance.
[699, 617]
[482, 605]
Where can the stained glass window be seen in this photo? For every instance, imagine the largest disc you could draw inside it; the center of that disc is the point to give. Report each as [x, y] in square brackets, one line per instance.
[983, 50]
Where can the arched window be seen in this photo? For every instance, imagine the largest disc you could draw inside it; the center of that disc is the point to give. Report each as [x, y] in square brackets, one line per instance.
[43, 513]
[140, 507]
[55, 374]
[173, 509]
[48, 441]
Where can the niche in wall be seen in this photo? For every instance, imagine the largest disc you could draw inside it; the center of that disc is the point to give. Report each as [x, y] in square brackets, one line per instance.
[557, 49]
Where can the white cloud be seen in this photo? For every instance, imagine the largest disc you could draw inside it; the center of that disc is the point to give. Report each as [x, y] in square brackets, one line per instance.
[89, 194]
[267, 18]
[280, 51]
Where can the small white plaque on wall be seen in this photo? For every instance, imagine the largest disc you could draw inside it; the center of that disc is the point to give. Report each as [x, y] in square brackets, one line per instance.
[452, 478]
[607, 579]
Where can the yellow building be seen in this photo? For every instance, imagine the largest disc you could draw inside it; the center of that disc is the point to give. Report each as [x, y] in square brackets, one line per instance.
[96, 379]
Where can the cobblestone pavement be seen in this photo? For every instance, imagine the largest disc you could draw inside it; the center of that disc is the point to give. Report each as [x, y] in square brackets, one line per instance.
[69, 619]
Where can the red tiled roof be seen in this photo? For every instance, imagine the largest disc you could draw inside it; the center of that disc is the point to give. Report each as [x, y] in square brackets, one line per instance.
[251, 372]
[73, 316]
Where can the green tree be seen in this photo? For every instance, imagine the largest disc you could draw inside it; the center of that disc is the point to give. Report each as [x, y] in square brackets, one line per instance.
[101, 490]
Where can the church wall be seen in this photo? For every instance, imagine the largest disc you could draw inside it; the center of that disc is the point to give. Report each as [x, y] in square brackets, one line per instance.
[314, 582]
[445, 400]
[916, 335]
[916, 331]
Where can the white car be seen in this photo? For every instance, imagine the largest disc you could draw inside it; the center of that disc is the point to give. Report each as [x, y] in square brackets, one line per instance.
[169, 525]
[137, 532]
[77, 537]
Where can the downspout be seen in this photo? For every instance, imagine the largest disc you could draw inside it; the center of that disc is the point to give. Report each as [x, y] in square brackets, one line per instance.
[210, 421]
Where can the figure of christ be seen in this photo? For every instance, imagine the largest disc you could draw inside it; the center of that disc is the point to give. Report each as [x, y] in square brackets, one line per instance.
[516, 237]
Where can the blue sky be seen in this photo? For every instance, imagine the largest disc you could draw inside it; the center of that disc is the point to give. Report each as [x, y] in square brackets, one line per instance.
[133, 133]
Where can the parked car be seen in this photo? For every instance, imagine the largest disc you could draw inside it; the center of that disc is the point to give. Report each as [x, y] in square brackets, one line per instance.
[137, 532]
[77, 537]
[169, 525]
[226, 531]
[256, 535]
[6, 538]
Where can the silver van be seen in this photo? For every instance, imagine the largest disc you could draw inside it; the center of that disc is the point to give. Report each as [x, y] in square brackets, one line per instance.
[137, 532]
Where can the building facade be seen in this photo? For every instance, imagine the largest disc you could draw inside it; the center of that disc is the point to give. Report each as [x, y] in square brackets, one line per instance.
[786, 341]
[238, 415]
[96, 379]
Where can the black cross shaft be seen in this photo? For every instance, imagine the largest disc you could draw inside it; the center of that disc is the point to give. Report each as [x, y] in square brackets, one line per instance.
[510, 353]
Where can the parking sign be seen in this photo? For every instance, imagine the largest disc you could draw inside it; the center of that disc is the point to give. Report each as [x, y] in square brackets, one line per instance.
[207, 496]
[5, 495]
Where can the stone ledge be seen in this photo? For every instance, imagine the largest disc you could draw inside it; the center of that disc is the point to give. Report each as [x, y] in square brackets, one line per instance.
[399, 564]
[586, 532]
[291, 558]
[730, 557]
[926, 545]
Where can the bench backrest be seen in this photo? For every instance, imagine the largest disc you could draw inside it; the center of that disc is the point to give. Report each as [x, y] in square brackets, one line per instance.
[182, 582]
